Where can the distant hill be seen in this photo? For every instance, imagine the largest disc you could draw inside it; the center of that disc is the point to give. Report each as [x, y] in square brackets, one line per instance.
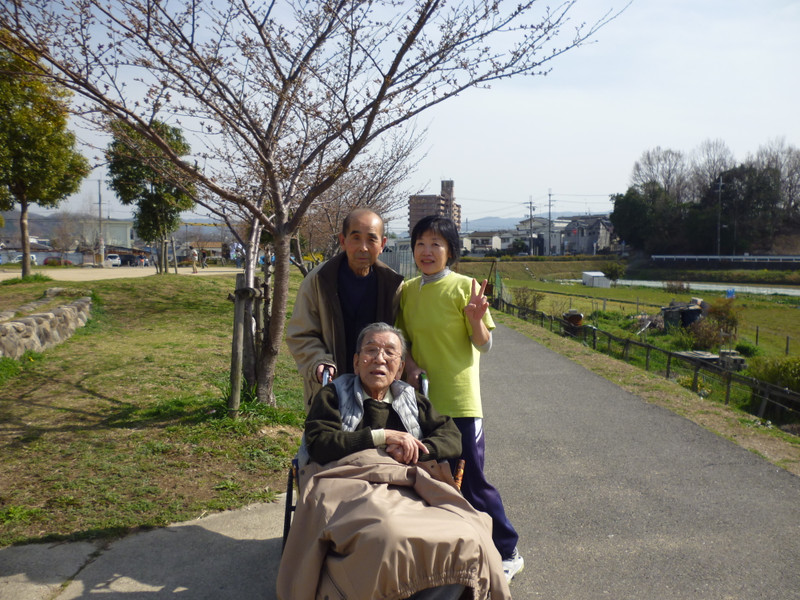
[504, 224]
[490, 224]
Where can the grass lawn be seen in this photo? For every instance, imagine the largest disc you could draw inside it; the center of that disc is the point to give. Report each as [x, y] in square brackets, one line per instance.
[124, 425]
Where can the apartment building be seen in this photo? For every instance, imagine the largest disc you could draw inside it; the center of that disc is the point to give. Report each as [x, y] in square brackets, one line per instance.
[442, 204]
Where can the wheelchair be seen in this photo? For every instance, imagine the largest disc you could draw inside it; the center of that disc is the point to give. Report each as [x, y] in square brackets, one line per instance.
[291, 503]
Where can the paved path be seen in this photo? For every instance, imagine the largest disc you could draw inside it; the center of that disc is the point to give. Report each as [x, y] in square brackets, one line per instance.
[613, 498]
[719, 287]
[96, 273]
[616, 498]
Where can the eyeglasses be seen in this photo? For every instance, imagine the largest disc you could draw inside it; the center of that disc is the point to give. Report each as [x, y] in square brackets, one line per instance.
[372, 353]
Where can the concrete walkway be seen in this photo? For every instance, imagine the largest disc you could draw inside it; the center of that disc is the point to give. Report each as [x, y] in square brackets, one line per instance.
[97, 273]
[613, 498]
[616, 498]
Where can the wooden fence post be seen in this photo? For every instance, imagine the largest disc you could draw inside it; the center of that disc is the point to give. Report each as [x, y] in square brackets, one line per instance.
[669, 363]
[762, 409]
[728, 379]
[241, 294]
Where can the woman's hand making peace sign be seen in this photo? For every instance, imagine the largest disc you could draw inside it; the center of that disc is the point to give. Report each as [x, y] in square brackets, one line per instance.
[478, 304]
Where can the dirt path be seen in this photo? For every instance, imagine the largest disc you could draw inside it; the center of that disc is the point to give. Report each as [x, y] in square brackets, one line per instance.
[95, 274]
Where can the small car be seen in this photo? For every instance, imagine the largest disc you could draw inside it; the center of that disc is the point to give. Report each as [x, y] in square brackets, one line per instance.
[114, 259]
[18, 259]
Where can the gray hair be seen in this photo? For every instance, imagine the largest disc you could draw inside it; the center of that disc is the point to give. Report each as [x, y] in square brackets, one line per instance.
[382, 328]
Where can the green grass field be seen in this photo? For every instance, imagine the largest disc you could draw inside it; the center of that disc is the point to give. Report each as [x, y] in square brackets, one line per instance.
[769, 320]
[124, 426]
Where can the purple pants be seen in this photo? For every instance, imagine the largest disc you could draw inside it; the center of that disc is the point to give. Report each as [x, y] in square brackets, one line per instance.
[478, 491]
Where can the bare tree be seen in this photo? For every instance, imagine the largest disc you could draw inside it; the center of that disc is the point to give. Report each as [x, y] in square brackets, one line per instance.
[66, 233]
[785, 160]
[665, 167]
[709, 161]
[792, 184]
[377, 183]
[282, 97]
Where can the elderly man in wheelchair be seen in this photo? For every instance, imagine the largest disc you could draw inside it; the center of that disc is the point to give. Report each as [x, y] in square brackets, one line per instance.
[378, 516]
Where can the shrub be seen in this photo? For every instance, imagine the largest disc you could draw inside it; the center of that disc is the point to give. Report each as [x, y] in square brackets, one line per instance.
[682, 339]
[676, 287]
[613, 270]
[747, 349]
[780, 371]
[706, 334]
[527, 298]
[725, 314]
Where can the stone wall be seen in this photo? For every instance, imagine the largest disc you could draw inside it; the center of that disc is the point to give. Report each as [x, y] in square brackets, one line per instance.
[39, 331]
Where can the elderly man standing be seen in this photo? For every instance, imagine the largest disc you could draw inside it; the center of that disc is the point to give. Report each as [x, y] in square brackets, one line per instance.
[338, 298]
[372, 521]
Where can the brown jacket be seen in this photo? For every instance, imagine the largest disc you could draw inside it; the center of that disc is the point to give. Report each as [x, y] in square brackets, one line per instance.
[354, 539]
[315, 332]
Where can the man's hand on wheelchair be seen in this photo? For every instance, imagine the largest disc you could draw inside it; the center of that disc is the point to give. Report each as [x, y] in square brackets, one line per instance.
[412, 375]
[403, 447]
[321, 368]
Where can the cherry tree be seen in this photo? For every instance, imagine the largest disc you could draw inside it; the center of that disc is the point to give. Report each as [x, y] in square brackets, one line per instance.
[280, 99]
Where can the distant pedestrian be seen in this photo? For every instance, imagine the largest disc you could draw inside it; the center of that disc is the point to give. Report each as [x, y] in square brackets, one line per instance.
[194, 259]
[204, 264]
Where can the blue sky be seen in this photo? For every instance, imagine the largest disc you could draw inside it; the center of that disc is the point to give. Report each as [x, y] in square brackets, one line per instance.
[669, 73]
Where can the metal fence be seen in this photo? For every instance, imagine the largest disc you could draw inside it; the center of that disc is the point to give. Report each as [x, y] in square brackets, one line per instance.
[708, 379]
[401, 261]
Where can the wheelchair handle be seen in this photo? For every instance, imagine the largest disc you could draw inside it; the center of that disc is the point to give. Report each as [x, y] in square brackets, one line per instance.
[423, 384]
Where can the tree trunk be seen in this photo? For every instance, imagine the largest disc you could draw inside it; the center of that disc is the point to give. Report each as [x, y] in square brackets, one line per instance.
[250, 358]
[174, 255]
[274, 320]
[157, 257]
[236, 351]
[298, 256]
[24, 237]
[164, 257]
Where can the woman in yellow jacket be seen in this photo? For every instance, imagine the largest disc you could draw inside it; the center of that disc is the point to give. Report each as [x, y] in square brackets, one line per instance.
[445, 317]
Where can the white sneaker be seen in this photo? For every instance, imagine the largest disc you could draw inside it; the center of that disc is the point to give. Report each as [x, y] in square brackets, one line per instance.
[513, 565]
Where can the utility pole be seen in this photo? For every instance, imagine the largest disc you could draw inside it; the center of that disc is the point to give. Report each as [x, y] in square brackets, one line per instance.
[530, 226]
[719, 213]
[101, 242]
[549, 218]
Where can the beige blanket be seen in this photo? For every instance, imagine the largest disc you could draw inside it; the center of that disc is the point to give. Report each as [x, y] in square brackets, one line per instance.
[367, 527]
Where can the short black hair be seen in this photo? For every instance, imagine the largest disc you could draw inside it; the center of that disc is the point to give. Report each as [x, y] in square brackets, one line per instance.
[441, 226]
